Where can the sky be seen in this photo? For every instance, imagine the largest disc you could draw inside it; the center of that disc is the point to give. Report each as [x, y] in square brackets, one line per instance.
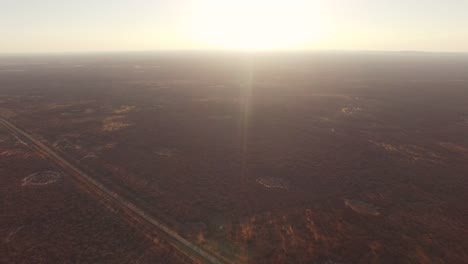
[141, 25]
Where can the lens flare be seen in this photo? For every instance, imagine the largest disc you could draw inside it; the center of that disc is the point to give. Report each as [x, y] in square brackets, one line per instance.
[256, 24]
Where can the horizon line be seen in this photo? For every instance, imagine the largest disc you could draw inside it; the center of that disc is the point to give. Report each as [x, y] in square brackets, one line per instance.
[247, 51]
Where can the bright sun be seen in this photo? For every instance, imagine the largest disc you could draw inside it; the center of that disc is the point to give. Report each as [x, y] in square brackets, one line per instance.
[256, 24]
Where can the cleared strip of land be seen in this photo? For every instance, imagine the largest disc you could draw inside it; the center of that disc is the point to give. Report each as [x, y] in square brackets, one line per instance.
[137, 214]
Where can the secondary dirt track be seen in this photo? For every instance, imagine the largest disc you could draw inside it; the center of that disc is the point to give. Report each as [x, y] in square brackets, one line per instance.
[130, 210]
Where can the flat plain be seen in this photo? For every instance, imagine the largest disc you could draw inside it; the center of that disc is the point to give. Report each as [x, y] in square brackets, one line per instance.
[261, 158]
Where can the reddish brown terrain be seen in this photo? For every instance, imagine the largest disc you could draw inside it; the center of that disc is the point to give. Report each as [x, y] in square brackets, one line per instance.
[267, 158]
[45, 218]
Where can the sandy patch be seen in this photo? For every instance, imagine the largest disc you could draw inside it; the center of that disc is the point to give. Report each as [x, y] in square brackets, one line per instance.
[114, 123]
[411, 152]
[273, 182]
[42, 178]
[454, 147]
[361, 207]
[166, 152]
[124, 109]
[350, 110]
[90, 155]
[65, 144]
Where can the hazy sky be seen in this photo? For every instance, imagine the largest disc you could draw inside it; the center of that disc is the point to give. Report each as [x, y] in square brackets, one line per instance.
[113, 25]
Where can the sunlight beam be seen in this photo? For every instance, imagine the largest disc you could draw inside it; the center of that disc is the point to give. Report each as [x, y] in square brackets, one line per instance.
[260, 24]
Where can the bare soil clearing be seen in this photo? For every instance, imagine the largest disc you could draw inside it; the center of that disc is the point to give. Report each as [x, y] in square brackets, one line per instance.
[42, 178]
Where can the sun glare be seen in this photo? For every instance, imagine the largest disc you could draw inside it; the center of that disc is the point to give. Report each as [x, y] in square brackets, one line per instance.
[257, 24]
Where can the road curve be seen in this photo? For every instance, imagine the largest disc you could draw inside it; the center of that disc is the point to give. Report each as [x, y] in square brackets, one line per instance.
[186, 247]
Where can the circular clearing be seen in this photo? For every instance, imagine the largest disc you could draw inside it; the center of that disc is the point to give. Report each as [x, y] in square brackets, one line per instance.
[42, 178]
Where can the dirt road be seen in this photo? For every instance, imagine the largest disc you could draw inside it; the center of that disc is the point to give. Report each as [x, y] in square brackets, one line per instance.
[131, 210]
